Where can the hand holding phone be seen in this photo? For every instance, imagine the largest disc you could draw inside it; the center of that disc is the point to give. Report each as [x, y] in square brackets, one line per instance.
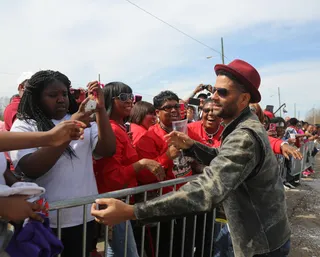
[90, 105]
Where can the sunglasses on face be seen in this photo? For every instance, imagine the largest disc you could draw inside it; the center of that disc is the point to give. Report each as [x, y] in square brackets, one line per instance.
[168, 108]
[124, 97]
[222, 92]
[207, 110]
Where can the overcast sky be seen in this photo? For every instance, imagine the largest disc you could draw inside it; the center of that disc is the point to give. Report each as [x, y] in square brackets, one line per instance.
[116, 39]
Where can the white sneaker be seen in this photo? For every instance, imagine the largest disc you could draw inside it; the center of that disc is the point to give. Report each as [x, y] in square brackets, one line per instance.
[289, 185]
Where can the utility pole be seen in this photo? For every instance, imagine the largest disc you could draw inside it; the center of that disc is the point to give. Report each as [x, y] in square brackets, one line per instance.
[279, 101]
[99, 77]
[222, 51]
[295, 111]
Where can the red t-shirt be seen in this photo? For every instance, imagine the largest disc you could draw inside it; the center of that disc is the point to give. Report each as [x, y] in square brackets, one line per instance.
[10, 113]
[137, 132]
[117, 172]
[152, 145]
[196, 132]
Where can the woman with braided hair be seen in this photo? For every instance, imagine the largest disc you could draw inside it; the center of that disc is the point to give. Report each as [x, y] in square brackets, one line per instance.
[65, 171]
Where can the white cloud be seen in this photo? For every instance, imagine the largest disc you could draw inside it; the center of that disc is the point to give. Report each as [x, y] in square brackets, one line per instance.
[119, 41]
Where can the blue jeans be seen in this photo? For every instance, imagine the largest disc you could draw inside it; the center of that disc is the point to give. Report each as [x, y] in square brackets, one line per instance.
[116, 247]
[223, 244]
[283, 251]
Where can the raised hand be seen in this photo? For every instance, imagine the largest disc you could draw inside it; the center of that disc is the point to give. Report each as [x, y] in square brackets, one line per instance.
[82, 114]
[95, 92]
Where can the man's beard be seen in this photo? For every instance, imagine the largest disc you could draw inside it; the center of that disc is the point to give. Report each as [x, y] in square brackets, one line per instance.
[226, 112]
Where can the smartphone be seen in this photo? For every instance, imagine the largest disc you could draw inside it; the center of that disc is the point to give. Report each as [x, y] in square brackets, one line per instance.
[127, 125]
[76, 93]
[101, 206]
[273, 126]
[182, 107]
[205, 87]
[137, 98]
[90, 105]
[270, 108]
[194, 101]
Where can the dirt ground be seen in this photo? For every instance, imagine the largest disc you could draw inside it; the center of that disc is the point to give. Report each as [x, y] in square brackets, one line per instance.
[304, 215]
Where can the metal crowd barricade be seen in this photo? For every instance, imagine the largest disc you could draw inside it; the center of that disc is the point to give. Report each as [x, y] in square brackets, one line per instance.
[296, 167]
[126, 193]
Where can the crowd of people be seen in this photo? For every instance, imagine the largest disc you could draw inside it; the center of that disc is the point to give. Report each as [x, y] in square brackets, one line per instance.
[73, 151]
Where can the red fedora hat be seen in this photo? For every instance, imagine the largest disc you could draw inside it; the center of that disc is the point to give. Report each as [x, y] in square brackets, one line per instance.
[246, 74]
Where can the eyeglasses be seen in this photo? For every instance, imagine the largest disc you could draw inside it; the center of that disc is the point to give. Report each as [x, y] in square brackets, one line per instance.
[207, 110]
[168, 108]
[124, 97]
[222, 92]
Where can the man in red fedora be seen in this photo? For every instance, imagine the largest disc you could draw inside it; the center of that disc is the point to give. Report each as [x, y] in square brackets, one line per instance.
[242, 174]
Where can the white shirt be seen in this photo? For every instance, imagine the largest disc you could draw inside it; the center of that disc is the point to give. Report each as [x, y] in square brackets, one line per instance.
[3, 167]
[70, 177]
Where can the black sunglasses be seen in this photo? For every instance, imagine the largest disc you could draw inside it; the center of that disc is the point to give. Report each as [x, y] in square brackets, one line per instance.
[222, 92]
[124, 97]
[168, 108]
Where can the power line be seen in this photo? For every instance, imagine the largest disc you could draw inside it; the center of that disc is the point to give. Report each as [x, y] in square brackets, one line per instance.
[8, 73]
[175, 28]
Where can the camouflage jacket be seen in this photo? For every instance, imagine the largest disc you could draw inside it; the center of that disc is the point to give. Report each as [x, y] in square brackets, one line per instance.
[242, 174]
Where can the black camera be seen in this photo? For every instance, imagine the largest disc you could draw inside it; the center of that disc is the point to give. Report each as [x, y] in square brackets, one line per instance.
[203, 87]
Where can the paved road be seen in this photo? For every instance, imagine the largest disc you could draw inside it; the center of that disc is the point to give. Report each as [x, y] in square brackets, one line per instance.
[304, 214]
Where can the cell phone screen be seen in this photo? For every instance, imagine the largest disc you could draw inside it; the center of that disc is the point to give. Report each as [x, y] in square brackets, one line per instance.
[194, 101]
[137, 98]
[273, 126]
[127, 125]
[269, 108]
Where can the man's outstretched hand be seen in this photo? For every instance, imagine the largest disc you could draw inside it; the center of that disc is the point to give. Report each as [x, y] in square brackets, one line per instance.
[179, 140]
[115, 212]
